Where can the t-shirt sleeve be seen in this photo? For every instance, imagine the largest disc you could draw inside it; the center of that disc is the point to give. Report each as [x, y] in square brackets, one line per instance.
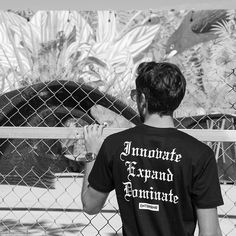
[206, 188]
[100, 177]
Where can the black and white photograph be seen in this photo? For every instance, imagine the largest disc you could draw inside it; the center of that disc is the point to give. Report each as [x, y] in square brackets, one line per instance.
[117, 121]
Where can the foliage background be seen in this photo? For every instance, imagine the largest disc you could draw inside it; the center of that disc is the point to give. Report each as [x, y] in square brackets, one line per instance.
[105, 48]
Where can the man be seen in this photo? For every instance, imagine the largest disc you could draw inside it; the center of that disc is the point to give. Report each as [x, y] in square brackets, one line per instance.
[165, 180]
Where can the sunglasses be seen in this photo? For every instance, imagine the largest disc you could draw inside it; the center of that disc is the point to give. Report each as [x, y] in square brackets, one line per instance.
[133, 94]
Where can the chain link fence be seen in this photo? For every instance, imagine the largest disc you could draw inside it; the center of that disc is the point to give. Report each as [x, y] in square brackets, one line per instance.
[41, 179]
[41, 171]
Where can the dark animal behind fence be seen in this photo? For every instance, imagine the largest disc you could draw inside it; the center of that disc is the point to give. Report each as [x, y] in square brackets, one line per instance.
[34, 162]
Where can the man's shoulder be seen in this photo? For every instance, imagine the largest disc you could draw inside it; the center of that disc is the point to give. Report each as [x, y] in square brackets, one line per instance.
[193, 143]
[129, 132]
[116, 140]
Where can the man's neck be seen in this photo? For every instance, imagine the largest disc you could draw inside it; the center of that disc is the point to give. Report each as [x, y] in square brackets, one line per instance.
[160, 122]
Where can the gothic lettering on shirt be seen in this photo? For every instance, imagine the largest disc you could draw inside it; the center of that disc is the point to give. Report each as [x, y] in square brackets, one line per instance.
[149, 194]
[148, 174]
[129, 150]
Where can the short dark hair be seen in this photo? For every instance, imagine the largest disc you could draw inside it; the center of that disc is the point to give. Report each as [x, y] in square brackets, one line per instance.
[163, 85]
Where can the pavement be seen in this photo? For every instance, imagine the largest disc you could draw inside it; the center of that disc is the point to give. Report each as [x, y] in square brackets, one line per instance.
[58, 211]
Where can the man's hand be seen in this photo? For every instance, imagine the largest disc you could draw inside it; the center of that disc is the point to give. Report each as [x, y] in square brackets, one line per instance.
[93, 137]
[92, 199]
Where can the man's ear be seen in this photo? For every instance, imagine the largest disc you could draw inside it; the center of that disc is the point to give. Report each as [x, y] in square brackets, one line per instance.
[143, 103]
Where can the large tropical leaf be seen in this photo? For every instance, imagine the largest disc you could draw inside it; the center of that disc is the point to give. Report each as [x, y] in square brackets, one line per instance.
[106, 30]
[9, 59]
[137, 39]
[49, 23]
[3, 34]
[12, 18]
[56, 44]
[8, 81]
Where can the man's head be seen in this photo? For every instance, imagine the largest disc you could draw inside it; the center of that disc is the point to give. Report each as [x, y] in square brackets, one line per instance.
[160, 88]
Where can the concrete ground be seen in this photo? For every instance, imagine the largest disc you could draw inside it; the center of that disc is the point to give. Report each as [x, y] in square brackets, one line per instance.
[58, 211]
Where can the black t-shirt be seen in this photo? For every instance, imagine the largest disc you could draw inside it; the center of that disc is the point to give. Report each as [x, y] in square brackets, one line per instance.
[160, 176]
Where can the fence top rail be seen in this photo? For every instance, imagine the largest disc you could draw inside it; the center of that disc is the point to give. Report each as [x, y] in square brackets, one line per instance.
[9, 132]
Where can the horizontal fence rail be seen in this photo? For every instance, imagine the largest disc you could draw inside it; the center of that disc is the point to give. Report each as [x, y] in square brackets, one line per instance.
[211, 135]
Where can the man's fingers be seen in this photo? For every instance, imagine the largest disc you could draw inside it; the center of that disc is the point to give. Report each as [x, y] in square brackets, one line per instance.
[100, 129]
[94, 130]
[93, 137]
[85, 131]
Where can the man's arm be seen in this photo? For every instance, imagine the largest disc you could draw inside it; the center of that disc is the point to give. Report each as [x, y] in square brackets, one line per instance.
[92, 199]
[208, 222]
